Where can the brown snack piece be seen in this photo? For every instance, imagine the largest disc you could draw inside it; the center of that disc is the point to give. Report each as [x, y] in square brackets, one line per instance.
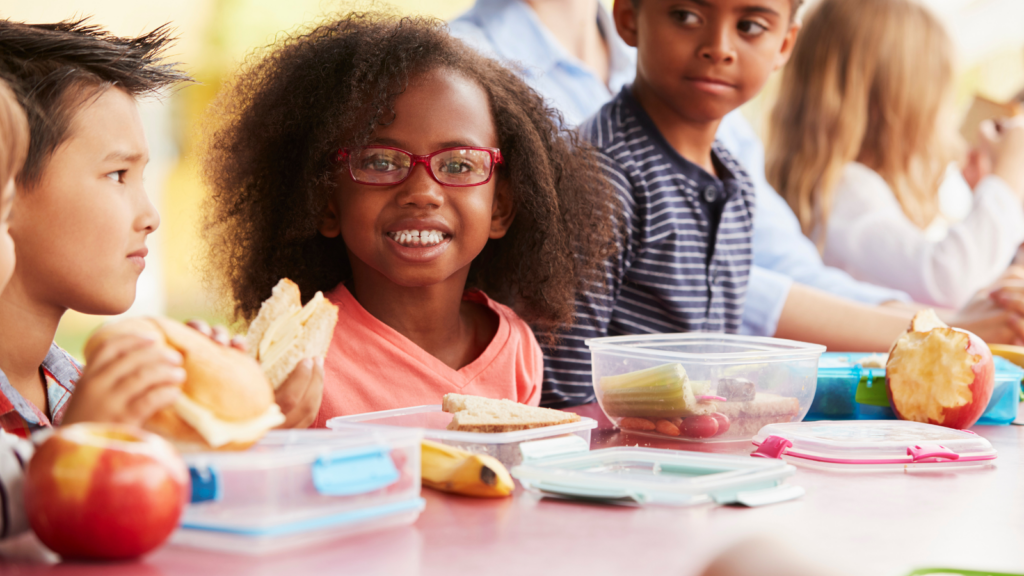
[736, 389]
[639, 424]
[667, 428]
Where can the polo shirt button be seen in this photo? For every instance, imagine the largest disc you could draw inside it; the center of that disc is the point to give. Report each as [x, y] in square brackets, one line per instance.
[710, 193]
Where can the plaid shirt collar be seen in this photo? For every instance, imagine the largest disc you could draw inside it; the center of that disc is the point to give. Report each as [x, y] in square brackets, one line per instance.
[19, 416]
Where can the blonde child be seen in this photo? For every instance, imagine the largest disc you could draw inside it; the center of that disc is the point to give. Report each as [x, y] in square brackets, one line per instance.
[392, 167]
[14, 451]
[861, 141]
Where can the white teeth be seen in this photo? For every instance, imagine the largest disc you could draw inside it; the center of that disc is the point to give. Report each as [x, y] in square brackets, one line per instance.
[417, 237]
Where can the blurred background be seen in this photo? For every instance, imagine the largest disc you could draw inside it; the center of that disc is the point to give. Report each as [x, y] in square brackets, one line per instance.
[216, 35]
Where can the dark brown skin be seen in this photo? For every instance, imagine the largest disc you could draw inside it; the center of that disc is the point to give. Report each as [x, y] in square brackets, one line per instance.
[271, 167]
[420, 295]
[699, 60]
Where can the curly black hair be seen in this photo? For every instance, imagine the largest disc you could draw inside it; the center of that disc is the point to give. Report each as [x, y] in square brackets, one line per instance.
[275, 127]
[53, 68]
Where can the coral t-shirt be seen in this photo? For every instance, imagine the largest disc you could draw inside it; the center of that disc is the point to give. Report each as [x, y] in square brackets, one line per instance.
[371, 366]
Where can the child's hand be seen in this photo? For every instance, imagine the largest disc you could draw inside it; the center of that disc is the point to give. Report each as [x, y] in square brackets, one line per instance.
[299, 396]
[977, 167]
[218, 334]
[1007, 144]
[129, 379]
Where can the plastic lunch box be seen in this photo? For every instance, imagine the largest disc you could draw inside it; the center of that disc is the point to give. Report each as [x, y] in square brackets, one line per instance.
[564, 467]
[848, 391]
[301, 487]
[432, 422]
[873, 445]
[782, 374]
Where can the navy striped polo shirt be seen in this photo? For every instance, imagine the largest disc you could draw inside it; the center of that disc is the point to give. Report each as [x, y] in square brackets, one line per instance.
[684, 247]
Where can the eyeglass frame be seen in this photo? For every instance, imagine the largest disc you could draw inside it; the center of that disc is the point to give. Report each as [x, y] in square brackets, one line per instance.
[497, 159]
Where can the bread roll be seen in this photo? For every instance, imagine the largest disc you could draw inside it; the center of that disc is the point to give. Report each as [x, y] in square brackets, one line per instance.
[226, 402]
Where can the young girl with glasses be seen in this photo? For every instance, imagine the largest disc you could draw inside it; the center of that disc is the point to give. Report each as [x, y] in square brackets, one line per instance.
[862, 137]
[403, 174]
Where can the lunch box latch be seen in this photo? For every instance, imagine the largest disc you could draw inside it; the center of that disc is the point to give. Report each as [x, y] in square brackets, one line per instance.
[772, 447]
[206, 485]
[551, 447]
[931, 453]
[354, 471]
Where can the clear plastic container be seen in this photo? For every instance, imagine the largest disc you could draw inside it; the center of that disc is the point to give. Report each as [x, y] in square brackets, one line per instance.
[873, 446]
[752, 381]
[848, 391]
[432, 422]
[297, 487]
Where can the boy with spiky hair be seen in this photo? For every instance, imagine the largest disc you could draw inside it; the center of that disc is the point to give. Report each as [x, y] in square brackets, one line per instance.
[80, 223]
[80, 227]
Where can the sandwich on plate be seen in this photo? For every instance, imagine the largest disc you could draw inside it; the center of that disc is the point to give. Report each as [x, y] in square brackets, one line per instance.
[478, 414]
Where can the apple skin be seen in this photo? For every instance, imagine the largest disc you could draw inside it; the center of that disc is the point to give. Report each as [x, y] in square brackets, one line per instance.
[105, 491]
[984, 370]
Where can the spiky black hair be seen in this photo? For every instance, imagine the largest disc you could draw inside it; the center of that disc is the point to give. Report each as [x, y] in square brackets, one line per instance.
[53, 68]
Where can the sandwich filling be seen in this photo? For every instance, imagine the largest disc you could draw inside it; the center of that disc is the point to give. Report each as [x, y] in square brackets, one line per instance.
[218, 432]
[284, 332]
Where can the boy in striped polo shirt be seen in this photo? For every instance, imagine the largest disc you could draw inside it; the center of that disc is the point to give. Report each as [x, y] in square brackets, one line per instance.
[687, 206]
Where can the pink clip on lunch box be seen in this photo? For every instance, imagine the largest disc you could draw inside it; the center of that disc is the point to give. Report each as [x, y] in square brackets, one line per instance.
[873, 445]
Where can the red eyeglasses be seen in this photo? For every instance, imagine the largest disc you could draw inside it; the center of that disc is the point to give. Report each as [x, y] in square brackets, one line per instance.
[387, 166]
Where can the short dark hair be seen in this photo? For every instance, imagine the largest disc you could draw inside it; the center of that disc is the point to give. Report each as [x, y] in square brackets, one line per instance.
[14, 137]
[53, 68]
[278, 124]
[795, 5]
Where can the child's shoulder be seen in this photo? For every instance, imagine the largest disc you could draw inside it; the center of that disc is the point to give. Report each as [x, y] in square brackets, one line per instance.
[612, 125]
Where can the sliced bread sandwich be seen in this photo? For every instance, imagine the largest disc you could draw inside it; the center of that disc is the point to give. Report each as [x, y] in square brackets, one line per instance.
[285, 332]
[477, 414]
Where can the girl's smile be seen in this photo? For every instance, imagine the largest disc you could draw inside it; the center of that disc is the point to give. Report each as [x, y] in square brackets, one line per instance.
[420, 232]
[418, 240]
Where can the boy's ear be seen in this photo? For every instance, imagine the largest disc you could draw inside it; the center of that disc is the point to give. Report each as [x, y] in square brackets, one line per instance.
[787, 45]
[502, 210]
[330, 221]
[624, 14]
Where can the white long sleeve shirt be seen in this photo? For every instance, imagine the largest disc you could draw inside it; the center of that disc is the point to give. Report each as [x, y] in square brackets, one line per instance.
[14, 455]
[869, 236]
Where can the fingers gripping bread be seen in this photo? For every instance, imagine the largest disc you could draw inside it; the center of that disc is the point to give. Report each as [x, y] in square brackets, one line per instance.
[226, 402]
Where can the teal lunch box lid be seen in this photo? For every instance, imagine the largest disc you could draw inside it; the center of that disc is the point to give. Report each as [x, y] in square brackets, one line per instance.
[565, 467]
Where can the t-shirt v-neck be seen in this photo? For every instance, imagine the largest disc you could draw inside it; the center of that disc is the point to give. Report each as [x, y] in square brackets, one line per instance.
[370, 366]
[410, 349]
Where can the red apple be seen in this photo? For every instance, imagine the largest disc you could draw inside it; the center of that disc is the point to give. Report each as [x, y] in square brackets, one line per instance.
[105, 491]
[938, 374]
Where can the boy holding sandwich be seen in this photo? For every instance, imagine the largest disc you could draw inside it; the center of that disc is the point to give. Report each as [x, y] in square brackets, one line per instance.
[80, 223]
[686, 206]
